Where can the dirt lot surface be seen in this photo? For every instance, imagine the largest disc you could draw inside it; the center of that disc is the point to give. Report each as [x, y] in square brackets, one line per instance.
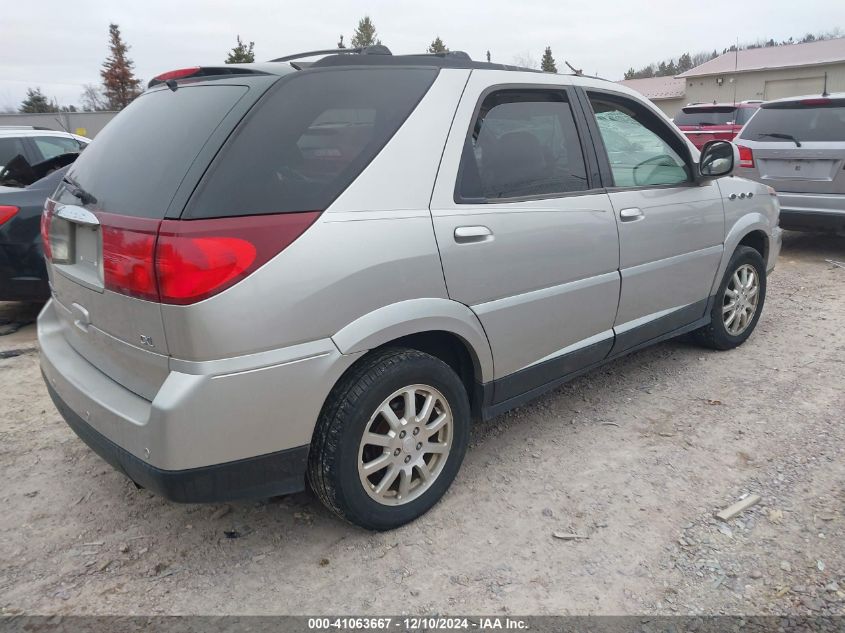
[634, 458]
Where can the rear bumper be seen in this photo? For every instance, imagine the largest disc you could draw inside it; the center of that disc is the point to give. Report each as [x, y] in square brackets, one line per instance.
[224, 429]
[263, 476]
[810, 211]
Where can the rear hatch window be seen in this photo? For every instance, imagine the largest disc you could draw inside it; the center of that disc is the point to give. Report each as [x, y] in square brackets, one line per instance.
[101, 237]
[137, 162]
[812, 120]
[698, 116]
[307, 140]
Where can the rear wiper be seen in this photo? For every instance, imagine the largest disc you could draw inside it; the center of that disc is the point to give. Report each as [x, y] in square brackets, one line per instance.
[786, 137]
[77, 191]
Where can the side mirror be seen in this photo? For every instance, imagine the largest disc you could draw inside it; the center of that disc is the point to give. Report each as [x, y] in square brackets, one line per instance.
[718, 158]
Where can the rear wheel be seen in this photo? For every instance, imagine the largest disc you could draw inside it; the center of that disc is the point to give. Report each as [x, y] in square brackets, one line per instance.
[390, 439]
[739, 302]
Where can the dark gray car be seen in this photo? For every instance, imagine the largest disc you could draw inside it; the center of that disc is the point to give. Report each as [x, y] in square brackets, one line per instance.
[797, 146]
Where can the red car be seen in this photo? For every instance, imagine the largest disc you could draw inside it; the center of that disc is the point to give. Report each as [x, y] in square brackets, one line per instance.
[703, 122]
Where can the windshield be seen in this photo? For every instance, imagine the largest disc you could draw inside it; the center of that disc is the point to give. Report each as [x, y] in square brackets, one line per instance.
[809, 120]
[715, 115]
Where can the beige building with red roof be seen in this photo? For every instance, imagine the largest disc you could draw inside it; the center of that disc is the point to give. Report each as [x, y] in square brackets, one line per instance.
[757, 73]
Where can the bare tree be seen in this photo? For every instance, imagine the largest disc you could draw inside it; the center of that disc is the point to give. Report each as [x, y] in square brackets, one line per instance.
[525, 60]
[92, 99]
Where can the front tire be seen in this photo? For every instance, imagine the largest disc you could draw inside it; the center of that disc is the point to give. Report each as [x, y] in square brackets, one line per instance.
[738, 303]
[390, 439]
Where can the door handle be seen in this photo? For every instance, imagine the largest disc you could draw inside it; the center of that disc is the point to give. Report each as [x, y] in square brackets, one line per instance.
[470, 234]
[630, 215]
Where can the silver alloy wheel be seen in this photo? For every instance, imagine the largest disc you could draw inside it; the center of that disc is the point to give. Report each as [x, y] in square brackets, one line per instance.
[739, 304]
[405, 444]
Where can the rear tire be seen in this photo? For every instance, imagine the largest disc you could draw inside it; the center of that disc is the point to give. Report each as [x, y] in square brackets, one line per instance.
[738, 303]
[390, 439]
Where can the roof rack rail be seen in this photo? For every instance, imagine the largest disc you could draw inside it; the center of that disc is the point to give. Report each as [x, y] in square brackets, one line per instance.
[376, 49]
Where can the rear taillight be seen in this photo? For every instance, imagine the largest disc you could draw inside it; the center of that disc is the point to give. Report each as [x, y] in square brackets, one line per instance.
[198, 258]
[746, 157]
[128, 255]
[185, 261]
[46, 220]
[7, 212]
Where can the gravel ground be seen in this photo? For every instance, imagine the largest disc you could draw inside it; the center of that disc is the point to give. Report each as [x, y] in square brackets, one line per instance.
[634, 458]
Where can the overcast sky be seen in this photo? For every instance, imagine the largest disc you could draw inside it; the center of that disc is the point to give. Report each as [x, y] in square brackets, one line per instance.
[59, 45]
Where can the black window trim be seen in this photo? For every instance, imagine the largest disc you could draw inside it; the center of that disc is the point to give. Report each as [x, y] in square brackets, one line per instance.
[601, 151]
[594, 185]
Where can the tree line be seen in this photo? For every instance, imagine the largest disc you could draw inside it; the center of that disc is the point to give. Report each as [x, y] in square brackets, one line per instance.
[119, 85]
[670, 67]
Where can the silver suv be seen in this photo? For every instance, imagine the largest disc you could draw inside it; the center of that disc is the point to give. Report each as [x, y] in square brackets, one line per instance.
[797, 146]
[272, 273]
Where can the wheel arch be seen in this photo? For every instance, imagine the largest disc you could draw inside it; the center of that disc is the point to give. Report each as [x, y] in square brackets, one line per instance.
[751, 230]
[429, 322]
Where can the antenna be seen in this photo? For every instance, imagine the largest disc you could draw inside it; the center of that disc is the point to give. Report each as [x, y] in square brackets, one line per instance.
[573, 69]
[825, 93]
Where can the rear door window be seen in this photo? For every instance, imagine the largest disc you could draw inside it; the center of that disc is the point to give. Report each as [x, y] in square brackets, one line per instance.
[522, 144]
[809, 120]
[307, 140]
[137, 162]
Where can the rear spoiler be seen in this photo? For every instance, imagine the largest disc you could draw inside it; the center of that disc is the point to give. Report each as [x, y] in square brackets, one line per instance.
[201, 71]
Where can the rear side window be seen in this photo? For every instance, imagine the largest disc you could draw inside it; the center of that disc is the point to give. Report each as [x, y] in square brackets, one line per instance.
[11, 148]
[137, 162]
[716, 115]
[809, 120]
[522, 143]
[307, 140]
[52, 146]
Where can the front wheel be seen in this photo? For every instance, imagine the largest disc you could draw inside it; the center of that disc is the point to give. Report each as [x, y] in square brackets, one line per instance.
[390, 439]
[738, 302]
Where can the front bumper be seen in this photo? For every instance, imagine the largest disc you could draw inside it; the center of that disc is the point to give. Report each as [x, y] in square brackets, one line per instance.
[774, 248]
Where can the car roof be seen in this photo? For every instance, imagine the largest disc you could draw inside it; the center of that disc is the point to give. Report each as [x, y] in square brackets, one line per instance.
[366, 57]
[18, 131]
[832, 95]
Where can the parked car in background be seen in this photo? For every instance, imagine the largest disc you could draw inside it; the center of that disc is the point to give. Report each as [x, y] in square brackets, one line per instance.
[797, 146]
[29, 153]
[267, 273]
[23, 275]
[32, 161]
[704, 122]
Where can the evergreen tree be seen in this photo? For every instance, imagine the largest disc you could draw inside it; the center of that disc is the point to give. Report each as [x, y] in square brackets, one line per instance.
[36, 102]
[547, 64]
[120, 86]
[684, 63]
[437, 46]
[241, 54]
[365, 34]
